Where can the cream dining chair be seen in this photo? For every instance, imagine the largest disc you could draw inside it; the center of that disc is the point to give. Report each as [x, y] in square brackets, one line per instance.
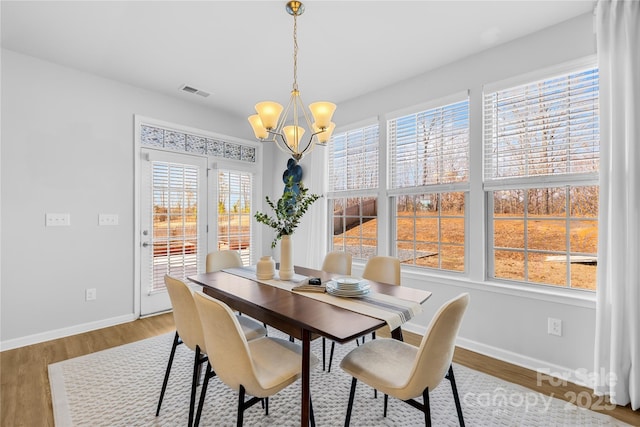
[406, 372]
[384, 269]
[260, 368]
[336, 262]
[189, 332]
[218, 260]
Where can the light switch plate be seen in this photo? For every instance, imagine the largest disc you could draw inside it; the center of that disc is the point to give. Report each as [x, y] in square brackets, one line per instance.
[57, 219]
[108, 219]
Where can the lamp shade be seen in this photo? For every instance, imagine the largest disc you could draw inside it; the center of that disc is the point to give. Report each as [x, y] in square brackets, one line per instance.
[293, 134]
[256, 124]
[324, 137]
[322, 113]
[269, 113]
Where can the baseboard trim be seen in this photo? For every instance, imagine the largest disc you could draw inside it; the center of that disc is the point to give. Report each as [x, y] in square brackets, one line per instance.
[576, 376]
[64, 332]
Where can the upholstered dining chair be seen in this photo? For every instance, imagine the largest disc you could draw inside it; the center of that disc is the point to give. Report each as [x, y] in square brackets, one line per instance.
[336, 262]
[384, 269]
[405, 372]
[218, 260]
[260, 368]
[189, 332]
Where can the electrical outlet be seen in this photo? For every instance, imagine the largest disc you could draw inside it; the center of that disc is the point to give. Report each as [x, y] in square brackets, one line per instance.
[554, 326]
[90, 294]
[57, 219]
[107, 219]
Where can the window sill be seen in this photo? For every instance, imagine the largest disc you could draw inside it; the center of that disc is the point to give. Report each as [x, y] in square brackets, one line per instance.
[573, 297]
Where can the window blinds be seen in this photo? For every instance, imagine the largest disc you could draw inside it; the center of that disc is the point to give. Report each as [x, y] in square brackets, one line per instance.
[430, 147]
[234, 212]
[545, 128]
[175, 222]
[353, 160]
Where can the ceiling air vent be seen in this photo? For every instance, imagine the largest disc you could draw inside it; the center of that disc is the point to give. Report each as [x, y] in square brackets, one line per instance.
[191, 89]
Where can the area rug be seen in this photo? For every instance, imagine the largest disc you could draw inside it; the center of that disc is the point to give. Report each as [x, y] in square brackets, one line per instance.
[120, 387]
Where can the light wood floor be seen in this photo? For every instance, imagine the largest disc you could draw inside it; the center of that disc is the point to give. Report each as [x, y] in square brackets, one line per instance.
[26, 398]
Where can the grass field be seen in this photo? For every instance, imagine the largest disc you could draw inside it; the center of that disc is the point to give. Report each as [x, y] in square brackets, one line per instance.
[543, 233]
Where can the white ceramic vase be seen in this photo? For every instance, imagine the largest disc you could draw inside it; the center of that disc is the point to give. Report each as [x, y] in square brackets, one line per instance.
[286, 258]
[266, 268]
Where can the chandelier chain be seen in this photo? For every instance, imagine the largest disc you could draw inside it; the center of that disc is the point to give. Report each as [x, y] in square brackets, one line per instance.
[295, 52]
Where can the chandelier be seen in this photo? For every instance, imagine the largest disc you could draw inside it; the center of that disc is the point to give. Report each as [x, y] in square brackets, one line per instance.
[271, 125]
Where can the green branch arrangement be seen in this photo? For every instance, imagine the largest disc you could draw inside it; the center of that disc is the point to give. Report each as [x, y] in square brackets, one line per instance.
[288, 210]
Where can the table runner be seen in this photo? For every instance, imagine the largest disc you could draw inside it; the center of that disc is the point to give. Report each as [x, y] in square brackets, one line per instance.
[394, 311]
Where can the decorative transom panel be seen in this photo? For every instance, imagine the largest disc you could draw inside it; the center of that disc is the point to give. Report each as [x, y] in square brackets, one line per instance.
[180, 141]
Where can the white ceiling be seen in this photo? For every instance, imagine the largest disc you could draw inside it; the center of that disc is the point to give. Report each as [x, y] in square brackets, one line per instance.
[241, 51]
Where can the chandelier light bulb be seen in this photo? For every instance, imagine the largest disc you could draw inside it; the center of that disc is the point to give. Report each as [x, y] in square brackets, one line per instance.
[269, 113]
[258, 128]
[322, 113]
[324, 135]
[293, 135]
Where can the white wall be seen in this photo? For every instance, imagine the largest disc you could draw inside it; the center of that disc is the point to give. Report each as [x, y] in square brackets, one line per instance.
[68, 147]
[508, 324]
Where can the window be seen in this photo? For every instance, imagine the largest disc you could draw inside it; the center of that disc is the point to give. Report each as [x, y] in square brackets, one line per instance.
[234, 212]
[429, 175]
[352, 196]
[541, 161]
[175, 189]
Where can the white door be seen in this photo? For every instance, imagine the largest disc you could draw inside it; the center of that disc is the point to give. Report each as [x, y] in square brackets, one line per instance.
[173, 222]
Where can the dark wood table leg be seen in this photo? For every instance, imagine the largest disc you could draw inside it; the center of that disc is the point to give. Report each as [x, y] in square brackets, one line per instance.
[306, 370]
[397, 334]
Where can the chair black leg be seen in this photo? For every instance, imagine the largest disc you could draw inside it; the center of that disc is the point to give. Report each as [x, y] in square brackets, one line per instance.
[333, 347]
[240, 407]
[266, 406]
[352, 394]
[176, 341]
[456, 398]
[208, 374]
[427, 407]
[313, 418]
[386, 401]
[375, 392]
[194, 383]
[324, 352]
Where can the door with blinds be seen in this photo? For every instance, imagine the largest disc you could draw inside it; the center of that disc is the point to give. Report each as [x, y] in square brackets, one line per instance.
[234, 216]
[173, 223]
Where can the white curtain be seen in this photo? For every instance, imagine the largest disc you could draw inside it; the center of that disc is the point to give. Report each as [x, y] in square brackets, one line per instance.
[314, 178]
[617, 349]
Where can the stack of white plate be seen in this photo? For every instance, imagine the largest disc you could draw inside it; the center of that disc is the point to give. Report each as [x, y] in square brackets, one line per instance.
[349, 287]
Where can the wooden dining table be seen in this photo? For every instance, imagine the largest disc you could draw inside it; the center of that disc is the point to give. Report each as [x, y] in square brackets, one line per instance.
[299, 316]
